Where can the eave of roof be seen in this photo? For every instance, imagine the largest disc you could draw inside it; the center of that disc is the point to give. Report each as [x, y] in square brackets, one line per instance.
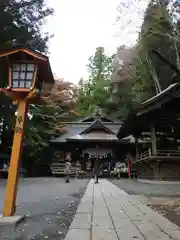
[167, 94]
[43, 60]
[93, 137]
[74, 128]
[29, 51]
[97, 124]
[147, 107]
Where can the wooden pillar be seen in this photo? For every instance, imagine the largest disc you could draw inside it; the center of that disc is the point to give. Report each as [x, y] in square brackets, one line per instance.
[137, 148]
[153, 140]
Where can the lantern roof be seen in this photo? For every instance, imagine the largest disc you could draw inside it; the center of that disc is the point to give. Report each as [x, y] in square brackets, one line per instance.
[23, 53]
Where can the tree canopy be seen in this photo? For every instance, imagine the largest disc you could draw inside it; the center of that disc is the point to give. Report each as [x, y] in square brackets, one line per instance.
[95, 91]
[20, 24]
[148, 74]
[136, 72]
[114, 83]
[46, 123]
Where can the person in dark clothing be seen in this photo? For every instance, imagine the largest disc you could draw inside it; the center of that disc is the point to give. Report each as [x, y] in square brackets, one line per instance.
[106, 166]
[96, 170]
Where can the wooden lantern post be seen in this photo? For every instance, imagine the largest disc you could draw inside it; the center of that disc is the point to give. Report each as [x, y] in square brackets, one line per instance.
[11, 188]
[26, 68]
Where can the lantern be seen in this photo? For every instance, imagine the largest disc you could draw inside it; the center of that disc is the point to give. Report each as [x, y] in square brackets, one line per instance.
[26, 71]
[23, 75]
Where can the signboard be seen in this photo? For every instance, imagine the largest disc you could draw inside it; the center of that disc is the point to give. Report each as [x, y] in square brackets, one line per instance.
[19, 125]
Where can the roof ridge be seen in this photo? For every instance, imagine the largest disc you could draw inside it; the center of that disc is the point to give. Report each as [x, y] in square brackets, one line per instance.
[94, 124]
[110, 123]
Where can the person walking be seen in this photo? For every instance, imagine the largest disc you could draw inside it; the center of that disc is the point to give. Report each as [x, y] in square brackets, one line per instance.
[118, 169]
[67, 170]
[129, 164]
[96, 170]
[78, 169]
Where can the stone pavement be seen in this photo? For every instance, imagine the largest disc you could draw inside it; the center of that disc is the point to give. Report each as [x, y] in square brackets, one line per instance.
[108, 213]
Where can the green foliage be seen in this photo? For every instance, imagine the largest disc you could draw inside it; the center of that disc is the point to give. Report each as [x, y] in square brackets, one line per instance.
[95, 91]
[142, 82]
[148, 74]
[37, 135]
[156, 25]
[46, 123]
[121, 101]
[20, 24]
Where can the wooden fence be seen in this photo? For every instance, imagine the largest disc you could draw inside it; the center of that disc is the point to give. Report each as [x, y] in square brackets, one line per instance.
[160, 154]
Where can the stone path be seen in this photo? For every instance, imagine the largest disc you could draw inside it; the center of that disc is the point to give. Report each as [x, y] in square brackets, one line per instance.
[108, 213]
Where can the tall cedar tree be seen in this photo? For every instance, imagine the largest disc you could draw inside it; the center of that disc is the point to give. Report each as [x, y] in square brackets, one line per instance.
[156, 25]
[94, 92]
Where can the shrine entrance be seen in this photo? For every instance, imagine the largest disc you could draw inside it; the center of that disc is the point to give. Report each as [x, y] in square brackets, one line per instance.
[90, 155]
[90, 139]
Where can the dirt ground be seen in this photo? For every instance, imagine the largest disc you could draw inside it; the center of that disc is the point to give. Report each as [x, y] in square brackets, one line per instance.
[167, 207]
[163, 198]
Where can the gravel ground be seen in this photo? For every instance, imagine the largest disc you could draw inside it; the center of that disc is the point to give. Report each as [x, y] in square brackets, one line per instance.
[172, 213]
[163, 198]
[147, 189]
[50, 205]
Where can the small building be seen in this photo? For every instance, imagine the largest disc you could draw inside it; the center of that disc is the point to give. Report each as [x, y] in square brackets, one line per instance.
[88, 139]
[157, 122]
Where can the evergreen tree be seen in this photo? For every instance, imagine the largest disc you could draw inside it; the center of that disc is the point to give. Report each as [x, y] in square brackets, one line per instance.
[145, 75]
[95, 92]
[20, 24]
[149, 68]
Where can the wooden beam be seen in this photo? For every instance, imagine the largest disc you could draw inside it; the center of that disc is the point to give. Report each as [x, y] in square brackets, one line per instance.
[137, 148]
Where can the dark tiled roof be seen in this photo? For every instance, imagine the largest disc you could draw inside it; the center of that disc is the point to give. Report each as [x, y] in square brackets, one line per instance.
[97, 124]
[96, 121]
[156, 102]
[78, 127]
[72, 129]
[94, 136]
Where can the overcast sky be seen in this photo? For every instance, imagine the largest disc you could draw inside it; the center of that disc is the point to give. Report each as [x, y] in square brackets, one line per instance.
[79, 26]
